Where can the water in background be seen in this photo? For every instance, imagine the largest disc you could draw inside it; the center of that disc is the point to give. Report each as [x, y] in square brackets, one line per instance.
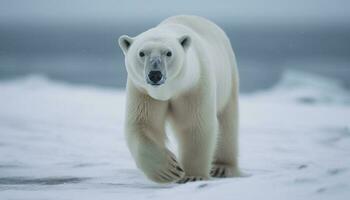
[87, 52]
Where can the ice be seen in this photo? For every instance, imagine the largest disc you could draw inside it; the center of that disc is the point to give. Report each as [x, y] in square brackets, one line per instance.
[63, 141]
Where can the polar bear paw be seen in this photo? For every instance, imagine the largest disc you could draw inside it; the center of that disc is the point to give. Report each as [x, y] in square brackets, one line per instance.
[171, 172]
[190, 179]
[224, 170]
[165, 169]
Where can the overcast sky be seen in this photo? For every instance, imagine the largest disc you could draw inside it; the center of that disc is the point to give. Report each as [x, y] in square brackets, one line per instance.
[109, 11]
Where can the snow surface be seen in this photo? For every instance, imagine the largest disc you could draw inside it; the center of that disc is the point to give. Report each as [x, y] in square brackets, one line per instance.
[61, 141]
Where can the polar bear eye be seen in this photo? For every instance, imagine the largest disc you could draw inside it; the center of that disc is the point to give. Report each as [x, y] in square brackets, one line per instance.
[141, 54]
[169, 53]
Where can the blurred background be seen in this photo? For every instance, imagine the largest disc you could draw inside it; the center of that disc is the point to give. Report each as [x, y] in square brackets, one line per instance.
[76, 40]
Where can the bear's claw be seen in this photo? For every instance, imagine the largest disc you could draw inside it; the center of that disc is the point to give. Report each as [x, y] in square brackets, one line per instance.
[222, 170]
[190, 179]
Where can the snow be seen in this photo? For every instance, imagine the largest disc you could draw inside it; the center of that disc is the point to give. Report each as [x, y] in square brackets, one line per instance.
[62, 141]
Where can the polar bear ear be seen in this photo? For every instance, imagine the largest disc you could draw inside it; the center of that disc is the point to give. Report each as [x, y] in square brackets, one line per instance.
[185, 41]
[125, 42]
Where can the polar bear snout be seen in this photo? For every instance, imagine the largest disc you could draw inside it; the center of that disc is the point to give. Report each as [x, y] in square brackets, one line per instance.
[155, 71]
[155, 77]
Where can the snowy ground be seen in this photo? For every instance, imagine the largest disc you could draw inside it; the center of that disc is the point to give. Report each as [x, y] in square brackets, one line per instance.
[60, 141]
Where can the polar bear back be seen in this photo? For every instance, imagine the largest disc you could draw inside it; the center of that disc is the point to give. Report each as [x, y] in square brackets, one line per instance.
[217, 50]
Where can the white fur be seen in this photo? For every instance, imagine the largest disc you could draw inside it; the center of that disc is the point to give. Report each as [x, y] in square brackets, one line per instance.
[199, 98]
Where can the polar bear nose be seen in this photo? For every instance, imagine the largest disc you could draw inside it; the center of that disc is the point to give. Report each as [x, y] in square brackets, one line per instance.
[155, 76]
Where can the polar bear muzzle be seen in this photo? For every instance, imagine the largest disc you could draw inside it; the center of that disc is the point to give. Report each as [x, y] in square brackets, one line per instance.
[155, 71]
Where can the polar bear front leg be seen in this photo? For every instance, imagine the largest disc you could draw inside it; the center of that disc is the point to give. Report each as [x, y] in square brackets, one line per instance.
[196, 147]
[145, 133]
[195, 128]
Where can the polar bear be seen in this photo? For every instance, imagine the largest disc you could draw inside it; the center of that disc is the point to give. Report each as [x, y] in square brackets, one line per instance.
[183, 71]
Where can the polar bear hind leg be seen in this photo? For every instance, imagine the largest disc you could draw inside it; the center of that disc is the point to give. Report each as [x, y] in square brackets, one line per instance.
[225, 162]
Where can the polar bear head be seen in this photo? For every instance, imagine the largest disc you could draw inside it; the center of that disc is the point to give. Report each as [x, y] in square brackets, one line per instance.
[155, 62]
